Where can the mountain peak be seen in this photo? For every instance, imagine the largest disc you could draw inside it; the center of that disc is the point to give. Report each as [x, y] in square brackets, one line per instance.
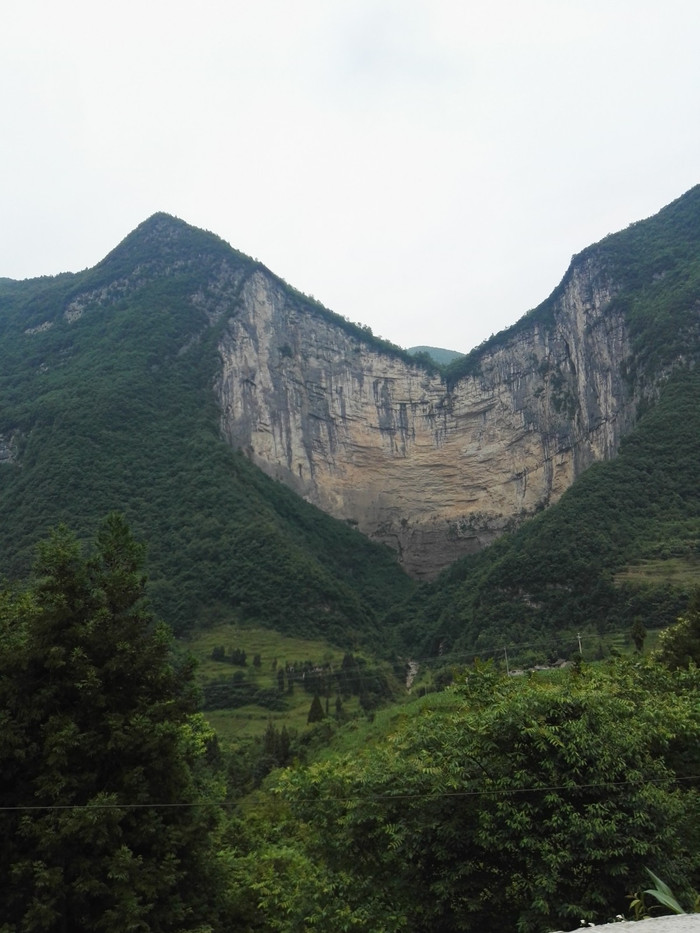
[162, 223]
[165, 238]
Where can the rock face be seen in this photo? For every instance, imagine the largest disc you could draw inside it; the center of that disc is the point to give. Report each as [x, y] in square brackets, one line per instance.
[433, 469]
[8, 449]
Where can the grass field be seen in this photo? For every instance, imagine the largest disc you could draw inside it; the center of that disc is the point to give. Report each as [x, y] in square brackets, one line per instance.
[276, 651]
[675, 571]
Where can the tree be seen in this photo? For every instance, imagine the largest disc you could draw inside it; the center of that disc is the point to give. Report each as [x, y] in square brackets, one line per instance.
[679, 645]
[102, 758]
[638, 633]
[276, 746]
[316, 713]
[511, 803]
[237, 656]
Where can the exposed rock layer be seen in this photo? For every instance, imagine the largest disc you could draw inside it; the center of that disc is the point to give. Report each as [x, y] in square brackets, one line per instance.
[433, 470]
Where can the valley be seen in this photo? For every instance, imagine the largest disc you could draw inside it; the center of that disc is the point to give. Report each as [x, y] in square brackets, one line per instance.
[237, 527]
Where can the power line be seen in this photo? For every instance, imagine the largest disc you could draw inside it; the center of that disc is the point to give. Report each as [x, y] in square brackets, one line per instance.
[362, 670]
[496, 791]
[365, 674]
[497, 649]
[541, 645]
[482, 792]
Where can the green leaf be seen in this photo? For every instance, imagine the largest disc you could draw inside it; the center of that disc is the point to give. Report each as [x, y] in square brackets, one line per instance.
[663, 894]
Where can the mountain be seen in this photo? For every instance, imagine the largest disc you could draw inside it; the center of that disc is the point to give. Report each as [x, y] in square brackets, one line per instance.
[439, 465]
[106, 403]
[178, 381]
[621, 546]
[437, 354]
[188, 386]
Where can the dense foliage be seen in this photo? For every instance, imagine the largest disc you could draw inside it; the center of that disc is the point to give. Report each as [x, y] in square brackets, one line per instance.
[505, 804]
[102, 756]
[501, 803]
[679, 645]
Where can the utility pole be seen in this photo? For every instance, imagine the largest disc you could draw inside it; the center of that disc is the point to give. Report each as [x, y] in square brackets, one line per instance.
[580, 649]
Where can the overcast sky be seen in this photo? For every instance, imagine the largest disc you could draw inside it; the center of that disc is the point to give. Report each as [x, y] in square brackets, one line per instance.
[426, 167]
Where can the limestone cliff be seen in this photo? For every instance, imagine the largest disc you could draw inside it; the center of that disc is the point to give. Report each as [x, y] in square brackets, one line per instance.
[433, 469]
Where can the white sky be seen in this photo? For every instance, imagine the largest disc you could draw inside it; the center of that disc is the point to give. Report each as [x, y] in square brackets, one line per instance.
[427, 167]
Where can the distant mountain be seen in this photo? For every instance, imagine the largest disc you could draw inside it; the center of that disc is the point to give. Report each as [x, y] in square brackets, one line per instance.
[169, 379]
[440, 356]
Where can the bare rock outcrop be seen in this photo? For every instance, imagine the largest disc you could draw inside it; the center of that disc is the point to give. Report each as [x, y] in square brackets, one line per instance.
[432, 468]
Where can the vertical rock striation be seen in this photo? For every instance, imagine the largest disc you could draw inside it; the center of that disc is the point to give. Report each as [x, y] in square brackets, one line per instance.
[432, 468]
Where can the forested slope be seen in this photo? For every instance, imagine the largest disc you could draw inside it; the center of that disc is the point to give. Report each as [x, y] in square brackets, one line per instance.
[496, 804]
[572, 567]
[556, 575]
[106, 403]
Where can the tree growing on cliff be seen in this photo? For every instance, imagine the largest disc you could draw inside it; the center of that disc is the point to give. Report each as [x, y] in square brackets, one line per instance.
[101, 753]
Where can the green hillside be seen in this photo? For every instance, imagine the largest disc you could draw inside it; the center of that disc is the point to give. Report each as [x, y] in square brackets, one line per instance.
[577, 567]
[114, 410]
[297, 784]
[500, 803]
[106, 403]
[584, 565]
